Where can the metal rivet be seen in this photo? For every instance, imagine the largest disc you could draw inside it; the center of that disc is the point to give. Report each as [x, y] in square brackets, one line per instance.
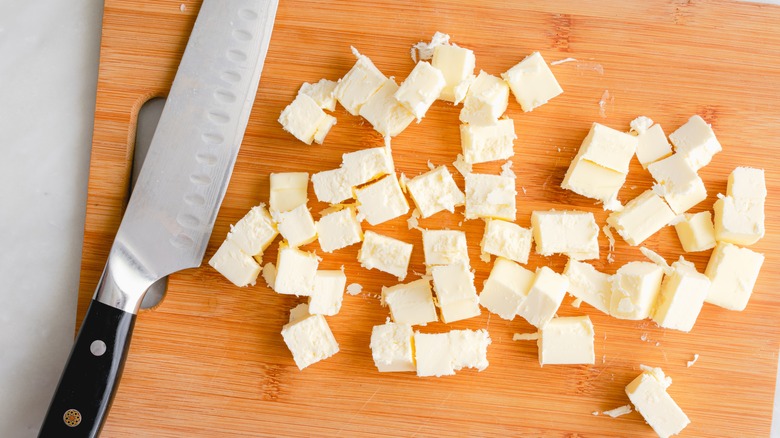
[72, 418]
[98, 347]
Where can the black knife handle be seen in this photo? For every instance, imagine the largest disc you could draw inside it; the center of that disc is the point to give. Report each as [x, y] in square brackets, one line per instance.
[90, 378]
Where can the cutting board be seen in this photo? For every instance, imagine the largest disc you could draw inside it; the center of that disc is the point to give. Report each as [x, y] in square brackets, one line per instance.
[210, 360]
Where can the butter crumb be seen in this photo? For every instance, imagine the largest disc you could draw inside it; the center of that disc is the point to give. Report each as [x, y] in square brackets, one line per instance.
[657, 259]
[423, 51]
[354, 288]
[691, 362]
[412, 222]
[525, 336]
[576, 303]
[603, 104]
[269, 274]
[430, 165]
[506, 170]
[622, 410]
[461, 165]
[562, 61]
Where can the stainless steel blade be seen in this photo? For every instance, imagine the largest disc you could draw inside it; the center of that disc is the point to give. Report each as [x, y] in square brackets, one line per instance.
[171, 212]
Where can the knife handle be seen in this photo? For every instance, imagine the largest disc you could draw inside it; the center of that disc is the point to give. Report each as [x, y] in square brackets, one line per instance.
[89, 381]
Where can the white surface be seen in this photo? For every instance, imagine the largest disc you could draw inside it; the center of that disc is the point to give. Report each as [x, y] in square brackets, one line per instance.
[48, 75]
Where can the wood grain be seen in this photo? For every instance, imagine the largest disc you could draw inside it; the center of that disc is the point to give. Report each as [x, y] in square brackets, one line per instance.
[210, 360]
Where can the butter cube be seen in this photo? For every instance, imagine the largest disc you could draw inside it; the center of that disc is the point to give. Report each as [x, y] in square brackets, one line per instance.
[309, 339]
[588, 284]
[739, 221]
[254, 232]
[435, 191]
[635, 289]
[411, 303]
[733, 272]
[445, 247]
[532, 82]
[328, 292]
[566, 341]
[490, 196]
[642, 217]
[382, 200]
[457, 296]
[367, 165]
[288, 190]
[696, 232]
[573, 233]
[486, 100]
[321, 92]
[544, 298]
[391, 347]
[457, 65]
[433, 355]
[385, 254]
[385, 113]
[468, 348]
[441, 354]
[295, 271]
[680, 185]
[304, 119]
[696, 141]
[652, 146]
[682, 297]
[506, 288]
[296, 226]
[506, 239]
[359, 84]
[747, 183]
[490, 142]
[339, 229]
[593, 181]
[331, 186]
[420, 89]
[648, 395]
[235, 265]
[608, 147]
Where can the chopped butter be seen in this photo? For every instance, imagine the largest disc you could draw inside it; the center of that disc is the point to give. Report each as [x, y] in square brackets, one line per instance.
[486, 100]
[696, 141]
[391, 347]
[457, 66]
[682, 297]
[328, 292]
[254, 232]
[532, 82]
[455, 291]
[382, 200]
[339, 229]
[359, 84]
[288, 190]
[296, 226]
[648, 395]
[321, 92]
[544, 298]
[304, 119]
[489, 142]
[420, 89]
[566, 341]
[635, 289]
[506, 239]
[506, 288]
[588, 284]
[490, 196]
[309, 338]
[678, 182]
[573, 233]
[295, 271]
[435, 191]
[642, 217]
[384, 112]
[235, 265]
[385, 254]
[411, 303]
[696, 232]
[652, 146]
[445, 247]
[733, 272]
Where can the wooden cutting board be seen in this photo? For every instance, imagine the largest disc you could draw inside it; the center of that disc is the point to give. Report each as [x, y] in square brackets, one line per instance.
[210, 360]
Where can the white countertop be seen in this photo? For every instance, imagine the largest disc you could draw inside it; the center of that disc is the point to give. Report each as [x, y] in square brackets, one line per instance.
[48, 77]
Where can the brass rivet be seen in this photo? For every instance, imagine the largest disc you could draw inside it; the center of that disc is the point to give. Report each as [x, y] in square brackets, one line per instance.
[72, 418]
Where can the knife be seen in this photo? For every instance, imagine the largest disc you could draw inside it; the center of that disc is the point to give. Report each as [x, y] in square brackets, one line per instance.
[173, 207]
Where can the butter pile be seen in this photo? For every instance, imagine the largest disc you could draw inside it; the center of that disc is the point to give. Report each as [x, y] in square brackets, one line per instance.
[366, 191]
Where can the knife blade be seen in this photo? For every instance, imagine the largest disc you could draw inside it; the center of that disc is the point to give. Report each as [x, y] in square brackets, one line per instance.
[173, 207]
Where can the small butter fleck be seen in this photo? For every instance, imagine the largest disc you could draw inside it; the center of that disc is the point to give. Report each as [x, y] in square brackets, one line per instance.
[354, 288]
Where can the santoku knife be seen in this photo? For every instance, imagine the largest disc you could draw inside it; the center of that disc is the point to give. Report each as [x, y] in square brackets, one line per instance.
[174, 204]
